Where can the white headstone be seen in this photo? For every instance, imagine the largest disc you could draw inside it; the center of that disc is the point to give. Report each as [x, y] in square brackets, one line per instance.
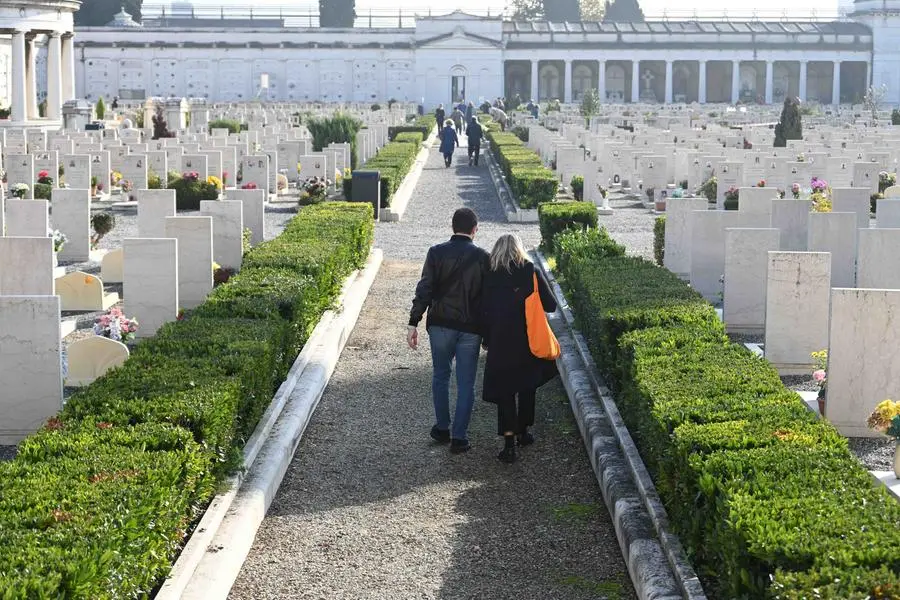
[26, 266]
[254, 212]
[154, 206]
[878, 259]
[746, 263]
[195, 257]
[835, 233]
[72, 217]
[228, 228]
[27, 218]
[150, 282]
[792, 218]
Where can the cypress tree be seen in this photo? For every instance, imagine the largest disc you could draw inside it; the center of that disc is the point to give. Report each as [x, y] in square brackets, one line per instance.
[789, 127]
[623, 11]
[560, 11]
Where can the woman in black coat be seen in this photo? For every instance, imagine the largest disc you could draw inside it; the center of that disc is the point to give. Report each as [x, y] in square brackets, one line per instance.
[512, 373]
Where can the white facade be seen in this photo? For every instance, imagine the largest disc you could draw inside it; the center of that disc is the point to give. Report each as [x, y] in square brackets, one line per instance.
[485, 58]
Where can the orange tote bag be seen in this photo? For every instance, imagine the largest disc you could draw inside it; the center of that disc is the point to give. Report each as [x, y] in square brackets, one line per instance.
[541, 340]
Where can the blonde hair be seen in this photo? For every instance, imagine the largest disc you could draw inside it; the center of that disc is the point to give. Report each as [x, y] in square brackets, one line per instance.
[508, 252]
[448, 123]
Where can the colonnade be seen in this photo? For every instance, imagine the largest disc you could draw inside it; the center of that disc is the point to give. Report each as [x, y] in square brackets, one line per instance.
[23, 71]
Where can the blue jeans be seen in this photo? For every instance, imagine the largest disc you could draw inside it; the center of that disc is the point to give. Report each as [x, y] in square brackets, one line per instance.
[447, 344]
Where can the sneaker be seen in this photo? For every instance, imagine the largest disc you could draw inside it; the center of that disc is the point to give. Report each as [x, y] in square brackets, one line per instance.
[441, 436]
[507, 455]
[525, 439]
[459, 446]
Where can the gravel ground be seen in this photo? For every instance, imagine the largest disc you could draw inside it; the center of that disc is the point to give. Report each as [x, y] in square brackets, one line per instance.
[370, 508]
[631, 225]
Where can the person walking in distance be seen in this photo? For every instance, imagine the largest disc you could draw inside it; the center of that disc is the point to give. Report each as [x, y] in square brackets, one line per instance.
[457, 117]
[439, 115]
[512, 373]
[474, 135]
[449, 142]
[450, 290]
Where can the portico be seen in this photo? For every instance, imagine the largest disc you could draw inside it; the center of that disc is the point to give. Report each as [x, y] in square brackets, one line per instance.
[29, 28]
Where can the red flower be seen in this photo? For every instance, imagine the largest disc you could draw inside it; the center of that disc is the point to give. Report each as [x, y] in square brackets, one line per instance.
[42, 174]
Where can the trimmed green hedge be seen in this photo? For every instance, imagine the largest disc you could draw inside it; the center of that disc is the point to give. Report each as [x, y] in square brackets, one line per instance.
[530, 182]
[394, 162]
[232, 125]
[424, 125]
[98, 503]
[767, 499]
[557, 217]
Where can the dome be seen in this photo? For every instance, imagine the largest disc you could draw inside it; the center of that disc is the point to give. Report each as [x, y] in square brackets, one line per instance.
[123, 20]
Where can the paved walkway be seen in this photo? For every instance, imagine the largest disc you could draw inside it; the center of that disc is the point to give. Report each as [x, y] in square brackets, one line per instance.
[370, 508]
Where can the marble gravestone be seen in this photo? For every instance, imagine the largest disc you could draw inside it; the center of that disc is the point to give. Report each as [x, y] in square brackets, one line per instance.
[195, 257]
[72, 217]
[254, 211]
[150, 282]
[837, 234]
[255, 172]
[26, 266]
[27, 218]
[77, 171]
[31, 366]
[228, 229]
[878, 259]
[154, 206]
[20, 169]
[746, 263]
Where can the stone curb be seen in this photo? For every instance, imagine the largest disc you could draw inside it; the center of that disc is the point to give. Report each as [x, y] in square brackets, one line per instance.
[404, 193]
[212, 558]
[656, 560]
[514, 214]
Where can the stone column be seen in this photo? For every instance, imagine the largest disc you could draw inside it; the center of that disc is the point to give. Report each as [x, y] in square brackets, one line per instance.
[803, 81]
[868, 74]
[68, 67]
[635, 80]
[31, 105]
[770, 80]
[735, 81]
[701, 92]
[54, 77]
[836, 84]
[17, 84]
[535, 89]
[669, 82]
[601, 80]
[567, 92]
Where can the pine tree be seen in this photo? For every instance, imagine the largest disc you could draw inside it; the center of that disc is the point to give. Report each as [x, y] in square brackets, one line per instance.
[527, 10]
[623, 11]
[337, 13]
[789, 127]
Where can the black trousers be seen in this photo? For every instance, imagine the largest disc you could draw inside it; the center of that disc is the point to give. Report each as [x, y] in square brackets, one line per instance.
[515, 414]
[474, 151]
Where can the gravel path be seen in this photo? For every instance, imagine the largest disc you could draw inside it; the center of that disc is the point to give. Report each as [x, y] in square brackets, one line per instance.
[370, 508]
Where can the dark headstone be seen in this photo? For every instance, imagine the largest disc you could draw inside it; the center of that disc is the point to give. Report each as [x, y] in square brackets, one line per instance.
[367, 188]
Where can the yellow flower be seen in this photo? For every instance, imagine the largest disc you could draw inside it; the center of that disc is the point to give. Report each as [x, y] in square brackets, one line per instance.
[216, 266]
[214, 181]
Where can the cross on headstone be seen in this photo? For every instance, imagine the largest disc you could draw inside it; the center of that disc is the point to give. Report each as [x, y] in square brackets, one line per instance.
[648, 78]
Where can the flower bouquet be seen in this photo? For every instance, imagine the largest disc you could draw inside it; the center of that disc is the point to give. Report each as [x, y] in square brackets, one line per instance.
[114, 178]
[314, 190]
[59, 239]
[44, 177]
[886, 419]
[18, 190]
[115, 326]
[820, 193]
[761, 183]
[795, 191]
[248, 186]
[190, 176]
[820, 376]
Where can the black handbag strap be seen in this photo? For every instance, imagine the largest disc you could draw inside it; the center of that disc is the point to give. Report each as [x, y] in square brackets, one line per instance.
[467, 261]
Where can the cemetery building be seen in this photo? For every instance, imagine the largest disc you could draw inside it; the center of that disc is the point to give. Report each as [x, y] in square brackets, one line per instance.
[446, 58]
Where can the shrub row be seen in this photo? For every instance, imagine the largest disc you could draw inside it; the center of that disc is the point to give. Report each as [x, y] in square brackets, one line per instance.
[767, 499]
[393, 161]
[98, 503]
[556, 217]
[530, 182]
[424, 124]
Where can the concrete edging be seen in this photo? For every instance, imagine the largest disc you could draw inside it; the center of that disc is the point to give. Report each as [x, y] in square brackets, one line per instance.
[403, 195]
[514, 214]
[656, 560]
[211, 560]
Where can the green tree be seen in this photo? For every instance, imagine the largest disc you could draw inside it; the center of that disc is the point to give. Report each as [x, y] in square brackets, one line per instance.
[623, 11]
[789, 127]
[527, 10]
[97, 13]
[337, 13]
[592, 10]
[590, 105]
[100, 109]
[562, 11]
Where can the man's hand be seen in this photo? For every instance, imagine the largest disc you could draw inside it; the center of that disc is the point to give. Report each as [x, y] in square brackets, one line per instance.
[412, 337]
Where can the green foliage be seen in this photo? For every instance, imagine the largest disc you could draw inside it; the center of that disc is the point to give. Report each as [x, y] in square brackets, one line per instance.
[530, 182]
[577, 185]
[393, 162]
[424, 124]
[520, 132]
[100, 108]
[710, 189]
[97, 504]
[98, 13]
[590, 104]
[160, 127]
[895, 117]
[410, 137]
[189, 192]
[337, 13]
[757, 487]
[577, 244]
[790, 126]
[623, 11]
[556, 217]
[337, 129]
[659, 240]
[232, 125]
[102, 224]
[154, 182]
[43, 191]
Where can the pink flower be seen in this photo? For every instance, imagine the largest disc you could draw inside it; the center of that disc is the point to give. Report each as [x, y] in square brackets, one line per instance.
[819, 375]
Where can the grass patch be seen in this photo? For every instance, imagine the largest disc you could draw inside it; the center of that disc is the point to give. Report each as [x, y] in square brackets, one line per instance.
[576, 511]
[604, 590]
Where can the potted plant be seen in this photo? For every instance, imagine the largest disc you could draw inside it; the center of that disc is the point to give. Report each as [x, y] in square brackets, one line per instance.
[96, 185]
[102, 223]
[577, 185]
[44, 178]
[18, 190]
[115, 326]
[886, 419]
[820, 376]
[731, 198]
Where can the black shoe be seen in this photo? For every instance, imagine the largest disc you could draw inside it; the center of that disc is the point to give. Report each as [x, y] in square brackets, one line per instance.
[507, 455]
[441, 436]
[525, 439]
[459, 446]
